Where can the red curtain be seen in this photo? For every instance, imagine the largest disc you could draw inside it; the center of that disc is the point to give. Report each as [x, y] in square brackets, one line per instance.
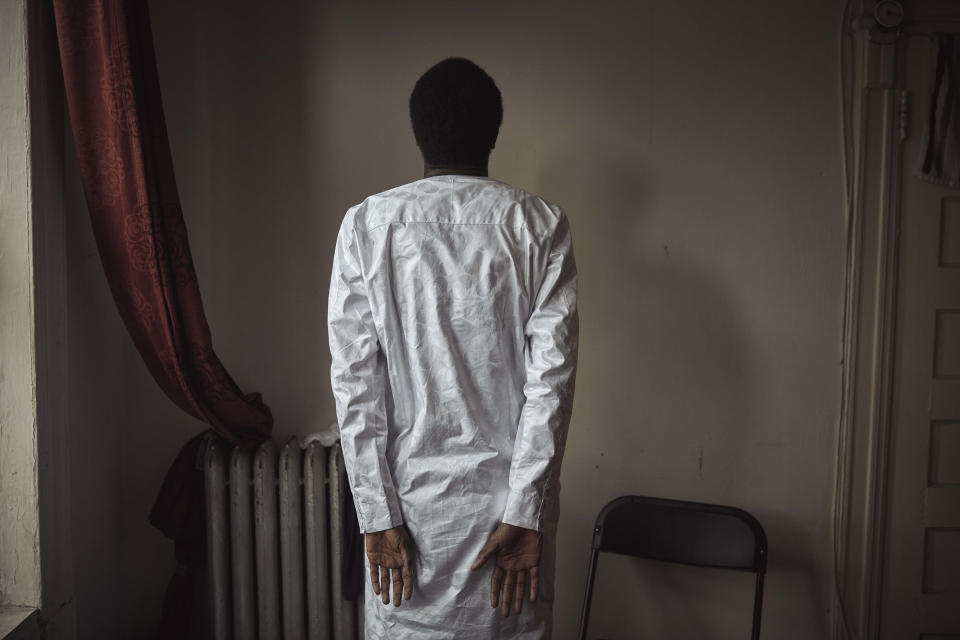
[113, 95]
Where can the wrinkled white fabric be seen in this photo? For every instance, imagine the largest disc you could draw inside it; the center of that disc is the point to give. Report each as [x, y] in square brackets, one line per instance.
[453, 333]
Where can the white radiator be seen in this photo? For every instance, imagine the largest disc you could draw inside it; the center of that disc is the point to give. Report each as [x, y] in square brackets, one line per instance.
[274, 543]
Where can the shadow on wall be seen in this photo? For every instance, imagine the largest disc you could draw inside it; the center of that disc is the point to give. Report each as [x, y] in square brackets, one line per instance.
[664, 403]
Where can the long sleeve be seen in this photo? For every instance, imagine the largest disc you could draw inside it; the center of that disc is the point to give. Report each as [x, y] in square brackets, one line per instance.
[551, 361]
[358, 377]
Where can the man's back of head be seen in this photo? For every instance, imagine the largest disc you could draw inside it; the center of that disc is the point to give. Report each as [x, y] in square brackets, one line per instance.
[456, 111]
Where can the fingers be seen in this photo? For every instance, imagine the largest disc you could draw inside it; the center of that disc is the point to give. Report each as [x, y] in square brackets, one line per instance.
[385, 585]
[496, 583]
[510, 584]
[375, 578]
[518, 597]
[407, 580]
[509, 587]
[397, 587]
[488, 550]
[402, 580]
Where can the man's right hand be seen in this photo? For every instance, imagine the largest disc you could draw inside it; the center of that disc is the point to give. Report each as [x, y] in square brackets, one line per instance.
[518, 552]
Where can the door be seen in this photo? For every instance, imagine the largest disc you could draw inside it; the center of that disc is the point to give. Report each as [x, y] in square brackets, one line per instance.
[921, 582]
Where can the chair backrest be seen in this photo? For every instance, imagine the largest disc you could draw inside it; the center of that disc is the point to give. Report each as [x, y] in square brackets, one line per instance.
[692, 533]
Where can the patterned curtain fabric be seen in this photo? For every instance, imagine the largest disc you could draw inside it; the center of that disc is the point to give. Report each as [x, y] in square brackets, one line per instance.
[113, 95]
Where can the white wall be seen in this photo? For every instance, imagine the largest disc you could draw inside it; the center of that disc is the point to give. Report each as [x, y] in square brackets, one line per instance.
[695, 147]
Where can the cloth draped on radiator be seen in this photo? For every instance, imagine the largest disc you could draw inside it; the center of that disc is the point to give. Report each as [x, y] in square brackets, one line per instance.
[940, 151]
[178, 513]
[453, 332]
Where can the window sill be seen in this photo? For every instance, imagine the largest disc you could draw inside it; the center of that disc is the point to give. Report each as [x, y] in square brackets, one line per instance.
[19, 623]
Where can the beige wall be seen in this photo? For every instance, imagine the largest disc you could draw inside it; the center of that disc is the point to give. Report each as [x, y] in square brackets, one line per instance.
[35, 551]
[19, 523]
[695, 147]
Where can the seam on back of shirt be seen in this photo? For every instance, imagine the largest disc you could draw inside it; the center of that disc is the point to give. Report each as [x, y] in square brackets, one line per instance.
[493, 224]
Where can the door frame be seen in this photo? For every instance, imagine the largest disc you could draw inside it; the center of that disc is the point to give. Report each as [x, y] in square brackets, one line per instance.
[877, 128]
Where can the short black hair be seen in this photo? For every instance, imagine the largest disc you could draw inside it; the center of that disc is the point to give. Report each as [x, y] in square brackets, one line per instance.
[456, 111]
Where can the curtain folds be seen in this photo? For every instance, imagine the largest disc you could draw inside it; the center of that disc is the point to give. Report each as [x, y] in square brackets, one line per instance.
[113, 96]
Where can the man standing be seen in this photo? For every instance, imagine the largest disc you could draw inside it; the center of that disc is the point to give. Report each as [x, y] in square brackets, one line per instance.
[453, 333]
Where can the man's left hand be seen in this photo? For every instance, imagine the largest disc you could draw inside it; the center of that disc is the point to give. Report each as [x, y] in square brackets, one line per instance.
[390, 551]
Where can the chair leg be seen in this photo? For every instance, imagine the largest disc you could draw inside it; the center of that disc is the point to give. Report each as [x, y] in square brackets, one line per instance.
[757, 606]
[585, 614]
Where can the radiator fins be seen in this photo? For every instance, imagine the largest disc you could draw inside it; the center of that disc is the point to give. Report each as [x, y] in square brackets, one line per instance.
[274, 543]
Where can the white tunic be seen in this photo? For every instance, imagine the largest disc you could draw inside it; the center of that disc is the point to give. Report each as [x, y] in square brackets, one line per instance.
[453, 333]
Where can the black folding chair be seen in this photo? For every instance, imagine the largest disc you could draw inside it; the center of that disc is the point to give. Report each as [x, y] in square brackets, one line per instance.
[694, 533]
